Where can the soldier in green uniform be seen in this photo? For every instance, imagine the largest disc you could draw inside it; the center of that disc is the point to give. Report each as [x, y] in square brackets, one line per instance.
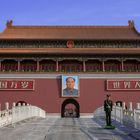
[108, 108]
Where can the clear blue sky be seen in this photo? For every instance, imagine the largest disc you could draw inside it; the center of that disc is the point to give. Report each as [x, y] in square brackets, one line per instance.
[69, 12]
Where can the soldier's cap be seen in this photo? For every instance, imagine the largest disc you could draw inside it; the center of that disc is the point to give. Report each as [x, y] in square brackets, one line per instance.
[108, 95]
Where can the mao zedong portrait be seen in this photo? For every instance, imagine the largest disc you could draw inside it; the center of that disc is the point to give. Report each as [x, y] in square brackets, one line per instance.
[70, 90]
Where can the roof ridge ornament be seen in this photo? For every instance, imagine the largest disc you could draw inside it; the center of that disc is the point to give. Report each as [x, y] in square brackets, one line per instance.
[131, 23]
[9, 23]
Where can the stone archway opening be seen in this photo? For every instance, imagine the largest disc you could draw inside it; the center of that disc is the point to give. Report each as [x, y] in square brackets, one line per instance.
[21, 103]
[70, 108]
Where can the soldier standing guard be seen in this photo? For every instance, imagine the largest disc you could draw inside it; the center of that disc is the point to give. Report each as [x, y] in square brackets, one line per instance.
[108, 108]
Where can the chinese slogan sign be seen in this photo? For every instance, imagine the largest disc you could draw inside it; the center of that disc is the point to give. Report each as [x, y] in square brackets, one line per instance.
[123, 84]
[16, 84]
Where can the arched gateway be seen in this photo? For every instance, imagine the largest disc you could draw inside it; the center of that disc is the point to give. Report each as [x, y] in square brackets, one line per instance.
[21, 102]
[70, 108]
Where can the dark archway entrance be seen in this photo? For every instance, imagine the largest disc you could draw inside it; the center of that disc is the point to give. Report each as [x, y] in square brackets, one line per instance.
[21, 102]
[70, 108]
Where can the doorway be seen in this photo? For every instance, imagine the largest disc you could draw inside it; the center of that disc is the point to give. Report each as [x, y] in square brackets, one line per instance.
[21, 103]
[70, 108]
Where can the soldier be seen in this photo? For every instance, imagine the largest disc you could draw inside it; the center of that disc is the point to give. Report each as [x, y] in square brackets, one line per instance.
[108, 108]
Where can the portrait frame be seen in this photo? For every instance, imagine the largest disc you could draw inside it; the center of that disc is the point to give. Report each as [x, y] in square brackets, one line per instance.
[76, 90]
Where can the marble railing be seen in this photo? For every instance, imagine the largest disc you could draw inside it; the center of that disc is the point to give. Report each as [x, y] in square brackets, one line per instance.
[129, 117]
[19, 113]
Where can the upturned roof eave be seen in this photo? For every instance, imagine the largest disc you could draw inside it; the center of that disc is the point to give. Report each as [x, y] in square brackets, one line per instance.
[12, 32]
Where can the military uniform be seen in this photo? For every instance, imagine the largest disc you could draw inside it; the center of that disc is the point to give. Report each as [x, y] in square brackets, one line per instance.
[108, 108]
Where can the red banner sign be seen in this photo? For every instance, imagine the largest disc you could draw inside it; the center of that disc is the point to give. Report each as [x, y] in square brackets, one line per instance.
[123, 84]
[16, 84]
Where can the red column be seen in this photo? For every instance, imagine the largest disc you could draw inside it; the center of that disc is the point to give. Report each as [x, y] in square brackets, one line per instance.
[18, 65]
[122, 65]
[84, 66]
[57, 65]
[0, 65]
[37, 66]
[103, 65]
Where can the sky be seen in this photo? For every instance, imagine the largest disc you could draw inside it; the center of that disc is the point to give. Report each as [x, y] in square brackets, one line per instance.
[70, 12]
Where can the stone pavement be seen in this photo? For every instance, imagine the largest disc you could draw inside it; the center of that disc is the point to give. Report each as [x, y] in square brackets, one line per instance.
[67, 129]
[120, 128]
[31, 129]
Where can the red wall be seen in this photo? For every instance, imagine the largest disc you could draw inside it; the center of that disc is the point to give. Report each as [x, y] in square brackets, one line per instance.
[47, 95]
